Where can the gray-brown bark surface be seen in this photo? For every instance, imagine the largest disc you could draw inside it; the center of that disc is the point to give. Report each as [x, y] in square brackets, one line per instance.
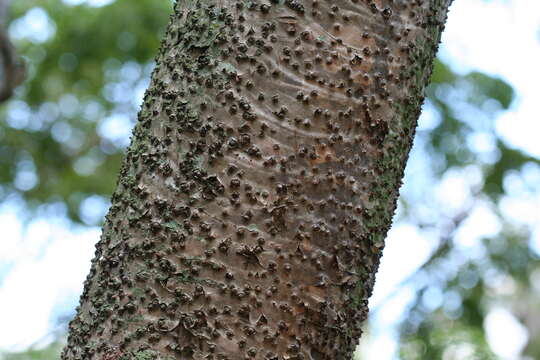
[262, 177]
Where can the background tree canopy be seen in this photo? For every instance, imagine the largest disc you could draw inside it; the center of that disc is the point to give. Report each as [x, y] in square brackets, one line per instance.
[89, 63]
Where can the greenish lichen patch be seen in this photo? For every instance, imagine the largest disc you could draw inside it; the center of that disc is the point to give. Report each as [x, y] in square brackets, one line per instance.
[174, 225]
[146, 355]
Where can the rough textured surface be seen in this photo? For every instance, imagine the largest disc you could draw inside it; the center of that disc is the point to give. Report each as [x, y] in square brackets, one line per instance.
[261, 180]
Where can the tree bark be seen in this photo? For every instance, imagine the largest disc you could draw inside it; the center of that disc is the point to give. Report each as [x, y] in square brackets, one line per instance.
[252, 206]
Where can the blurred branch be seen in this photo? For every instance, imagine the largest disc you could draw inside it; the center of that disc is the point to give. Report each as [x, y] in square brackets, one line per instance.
[444, 246]
[12, 72]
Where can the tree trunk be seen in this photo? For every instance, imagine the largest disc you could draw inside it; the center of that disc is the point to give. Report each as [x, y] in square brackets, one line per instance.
[252, 206]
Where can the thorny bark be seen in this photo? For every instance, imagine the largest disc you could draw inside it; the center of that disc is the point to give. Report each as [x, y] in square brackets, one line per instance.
[262, 177]
[12, 71]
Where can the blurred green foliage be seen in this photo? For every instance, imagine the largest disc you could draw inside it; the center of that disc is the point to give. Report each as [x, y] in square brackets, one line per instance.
[466, 280]
[58, 142]
[50, 352]
[62, 137]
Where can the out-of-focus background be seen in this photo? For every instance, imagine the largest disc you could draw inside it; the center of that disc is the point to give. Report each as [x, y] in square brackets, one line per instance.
[460, 276]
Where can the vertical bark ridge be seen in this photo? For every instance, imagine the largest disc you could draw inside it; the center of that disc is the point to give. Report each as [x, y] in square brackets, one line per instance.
[262, 177]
